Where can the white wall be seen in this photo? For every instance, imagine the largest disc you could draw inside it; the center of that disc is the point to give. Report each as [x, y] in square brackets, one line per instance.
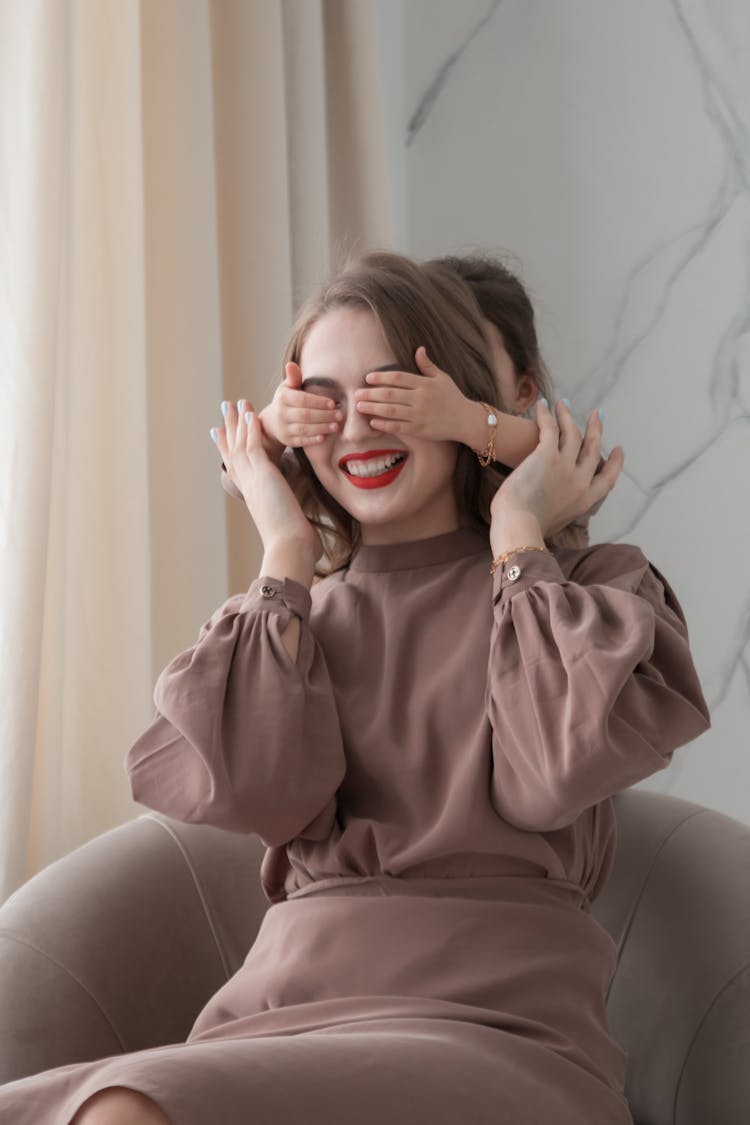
[606, 146]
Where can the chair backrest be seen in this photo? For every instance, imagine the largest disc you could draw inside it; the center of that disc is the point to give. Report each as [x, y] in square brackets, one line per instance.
[677, 903]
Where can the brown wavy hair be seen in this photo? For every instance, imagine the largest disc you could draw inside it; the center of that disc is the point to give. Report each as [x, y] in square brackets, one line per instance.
[427, 303]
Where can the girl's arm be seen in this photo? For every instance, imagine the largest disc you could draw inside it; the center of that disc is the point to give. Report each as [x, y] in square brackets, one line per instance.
[515, 437]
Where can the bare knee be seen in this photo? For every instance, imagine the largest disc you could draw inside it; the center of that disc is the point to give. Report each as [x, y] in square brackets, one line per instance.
[119, 1106]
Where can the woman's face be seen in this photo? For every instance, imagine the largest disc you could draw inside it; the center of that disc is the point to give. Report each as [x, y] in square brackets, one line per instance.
[413, 500]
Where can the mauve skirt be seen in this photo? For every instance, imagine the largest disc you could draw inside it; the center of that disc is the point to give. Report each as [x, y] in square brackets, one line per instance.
[429, 1000]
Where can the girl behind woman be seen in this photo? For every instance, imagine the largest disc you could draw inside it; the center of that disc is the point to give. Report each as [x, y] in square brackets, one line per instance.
[427, 741]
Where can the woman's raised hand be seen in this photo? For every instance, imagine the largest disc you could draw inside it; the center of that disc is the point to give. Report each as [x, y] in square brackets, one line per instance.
[274, 508]
[559, 481]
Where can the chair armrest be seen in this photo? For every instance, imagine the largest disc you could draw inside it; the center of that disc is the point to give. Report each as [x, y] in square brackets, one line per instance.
[117, 946]
[677, 904]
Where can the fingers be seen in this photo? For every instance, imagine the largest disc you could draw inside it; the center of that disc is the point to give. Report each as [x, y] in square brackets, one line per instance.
[589, 456]
[242, 429]
[303, 417]
[392, 399]
[424, 363]
[237, 434]
[293, 373]
[545, 420]
[236, 425]
[305, 399]
[570, 436]
[588, 447]
[605, 480]
[584, 448]
[387, 402]
[220, 435]
[405, 379]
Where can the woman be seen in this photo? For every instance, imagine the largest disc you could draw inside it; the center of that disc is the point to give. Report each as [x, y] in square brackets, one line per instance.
[427, 741]
[295, 419]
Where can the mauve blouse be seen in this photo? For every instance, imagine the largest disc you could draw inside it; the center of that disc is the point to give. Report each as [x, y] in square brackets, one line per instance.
[437, 720]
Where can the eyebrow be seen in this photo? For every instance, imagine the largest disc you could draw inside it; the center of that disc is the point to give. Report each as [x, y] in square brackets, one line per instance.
[325, 381]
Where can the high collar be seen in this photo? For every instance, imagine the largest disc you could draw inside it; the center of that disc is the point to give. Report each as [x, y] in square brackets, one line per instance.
[448, 547]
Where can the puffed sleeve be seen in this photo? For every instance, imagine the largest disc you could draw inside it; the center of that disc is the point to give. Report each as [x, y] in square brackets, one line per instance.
[591, 684]
[244, 737]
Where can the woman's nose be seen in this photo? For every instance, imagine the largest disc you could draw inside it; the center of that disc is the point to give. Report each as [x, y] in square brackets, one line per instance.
[355, 423]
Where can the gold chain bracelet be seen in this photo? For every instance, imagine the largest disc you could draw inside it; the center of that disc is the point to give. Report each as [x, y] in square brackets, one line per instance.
[501, 558]
[488, 455]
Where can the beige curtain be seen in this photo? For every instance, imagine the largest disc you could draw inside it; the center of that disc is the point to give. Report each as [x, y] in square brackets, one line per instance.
[174, 176]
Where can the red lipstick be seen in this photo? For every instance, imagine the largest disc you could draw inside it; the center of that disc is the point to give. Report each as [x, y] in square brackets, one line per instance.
[369, 455]
[382, 479]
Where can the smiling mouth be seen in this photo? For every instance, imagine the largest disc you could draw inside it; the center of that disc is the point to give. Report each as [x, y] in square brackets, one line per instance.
[379, 479]
[387, 463]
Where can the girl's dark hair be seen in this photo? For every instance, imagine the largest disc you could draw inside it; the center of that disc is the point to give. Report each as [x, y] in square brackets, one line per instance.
[505, 303]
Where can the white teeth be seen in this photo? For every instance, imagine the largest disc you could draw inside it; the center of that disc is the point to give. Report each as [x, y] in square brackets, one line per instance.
[372, 468]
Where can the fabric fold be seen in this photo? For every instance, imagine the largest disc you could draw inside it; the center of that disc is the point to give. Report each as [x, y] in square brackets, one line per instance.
[244, 737]
[591, 684]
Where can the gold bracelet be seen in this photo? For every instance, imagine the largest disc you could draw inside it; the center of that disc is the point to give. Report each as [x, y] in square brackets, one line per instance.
[487, 455]
[501, 558]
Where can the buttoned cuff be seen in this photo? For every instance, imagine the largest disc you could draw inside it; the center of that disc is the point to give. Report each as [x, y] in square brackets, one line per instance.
[278, 594]
[521, 570]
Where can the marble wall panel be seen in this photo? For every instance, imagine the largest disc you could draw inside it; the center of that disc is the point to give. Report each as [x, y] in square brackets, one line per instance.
[606, 148]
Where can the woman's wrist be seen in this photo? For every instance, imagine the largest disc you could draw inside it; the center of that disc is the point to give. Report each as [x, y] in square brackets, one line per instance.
[513, 528]
[289, 559]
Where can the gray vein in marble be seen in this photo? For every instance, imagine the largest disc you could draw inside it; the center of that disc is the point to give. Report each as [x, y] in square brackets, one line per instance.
[718, 102]
[628, 334]
[740, 636]
[594, 387]
[735, 659]
[429, 97]
[745, 666]
[730, 127]
[726, 374]
[651, 492]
